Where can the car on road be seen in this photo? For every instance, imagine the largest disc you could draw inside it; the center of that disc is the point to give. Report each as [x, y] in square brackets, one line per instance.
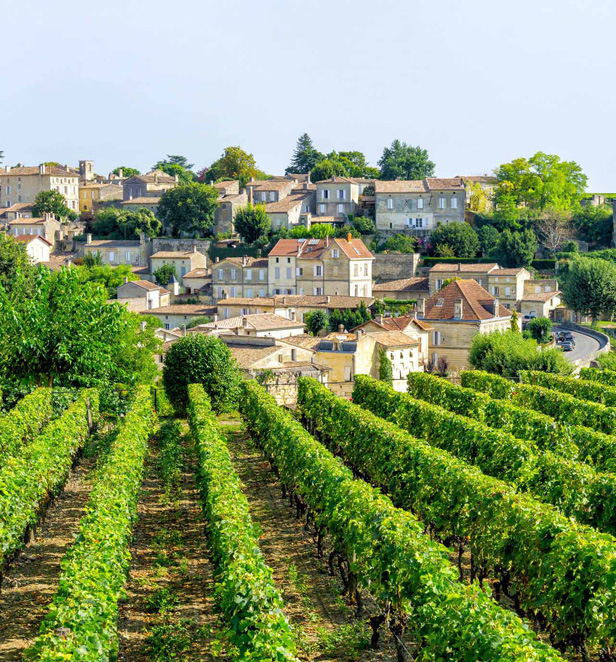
[567, 345]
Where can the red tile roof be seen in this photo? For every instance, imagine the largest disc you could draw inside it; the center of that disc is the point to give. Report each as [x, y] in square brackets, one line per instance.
[314, 248]
[477, 303]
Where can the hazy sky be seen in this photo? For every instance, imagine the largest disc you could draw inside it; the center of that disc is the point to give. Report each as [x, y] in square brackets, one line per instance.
[477, 83]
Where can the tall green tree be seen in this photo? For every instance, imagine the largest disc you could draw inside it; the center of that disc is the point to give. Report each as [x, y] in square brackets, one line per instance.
[326, 169]
[116, 223]
[594, 224]
[402, 161]
[460, 237]
[488, 237]
[386, 372]
[109, 277]
[355, 164]
[53, 202]
[127, 171]
[16, 268]
[590, 288]
[175, 165]
[234, 163]
[164, 274]
[516, 249]
[305, 157]
[189, 208]
[316, 321]
[252, 222]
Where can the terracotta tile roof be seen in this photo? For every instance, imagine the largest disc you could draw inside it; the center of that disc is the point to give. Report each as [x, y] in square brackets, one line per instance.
[151, 200]
[152, 177]
[143, 271]
[18, 206]
[298, 188]
[309, 249]
[146, 285]
[446, 184]
[402, 322]
[299, 301]
[246, 301]
[304, 341]
[478, 268]
[258, 322]
[419, 185]
[197, 273]
[170, 255]
[246, 357]
[286, 204]
[540, 296]
[299, 176]
[27, 238]
[322, 219]
[112, 243]
[33, 220]
[25, 171]
[476, 303]
[182, 309]
[393, 339]
[337, 180]
[253, 262]
[271, 184]
[508, 272]
[403, 285]
[481, 179]
[228, 183]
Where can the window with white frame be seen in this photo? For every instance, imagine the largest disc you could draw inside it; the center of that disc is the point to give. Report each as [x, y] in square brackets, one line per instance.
[289, 273]
[221, 274]
[127, 256]
[233, 290]
[261, 274]
[299, 271]
[341, 194]
[317, 291]
[321, 209]
[356, 269]
[341, 208]
[335, 252]
[420, 203]
[390, 203]
[272, 196]
[249, 292]
[454, 202]
[112, 256]
[248, 274]
[441, 203]
[325, 194]
[318, 270]
[261, 291]
[233, 274]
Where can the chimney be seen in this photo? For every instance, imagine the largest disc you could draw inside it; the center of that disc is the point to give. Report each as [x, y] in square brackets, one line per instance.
[245, 322]
[378, 319]
[252, 179]
[67, 168]
[349, 237]
[360, 333]
[284, 300]
[183, 330]
[48, 216]
[125, 280]
[328, 299]
[496, 308]
[225, 294]
[120, 173]
[333, 178]
[305, 186]
[156, 178]
[215, 317]
[88, 239]
[421, 307]
[142, 238]
[7, 169]
[244, 260]
[217, 259]
[458, 309]
[340, 328]
[194, 248]
[42, 169]
[175, 286]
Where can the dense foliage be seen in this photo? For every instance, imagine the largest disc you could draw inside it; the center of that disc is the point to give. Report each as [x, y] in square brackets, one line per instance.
[93, 571]
[22, 423]
[245, 590]
[386, 546]
[458, 238]
[590, 287]
[252, 222]
[113, 223]
[16, 268]
[540, 329]
[579, 388]
[402, 161]
[234, 163]
[189, 208]
[206, 360]
[604, 376]
[52, 202]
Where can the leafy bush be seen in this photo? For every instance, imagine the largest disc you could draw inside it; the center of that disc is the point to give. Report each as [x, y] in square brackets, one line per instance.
[21, 424]
[399, 243]
[93, 571]
[206, 360]
[245, 592]
[389, 550]
[386, 372]
[459, 237]
[579, 388]
[540, 329]
[604, 376]
[363, 224]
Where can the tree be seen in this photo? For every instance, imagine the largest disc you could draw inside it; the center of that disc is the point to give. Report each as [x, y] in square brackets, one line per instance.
[590, 287]
[488, 237]
[1, 156]
[386, 372]
[478, 198]
[355, 164]
[234, 163]
[305, 157]
[176, 165]
[363, 224]
[16, 268]
[92, 259]
[127, 171]
[252, 222]
[326, 169]
[399, 243]
[164, 274]
[52, 202]
[553, 229]
[594, 224]
[189, 208]
[69, 335]
[200, 359]
[516, 249]
[540, 328]
[460, 237]
[116, 223]
[197, 321]
[514, 321]
[402, 161]
[109, 277]
[316, 321]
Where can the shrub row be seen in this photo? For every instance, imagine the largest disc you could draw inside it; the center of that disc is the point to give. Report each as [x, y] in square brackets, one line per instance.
[386, 547]
[245, 591]
[36, 474]
[563, 407]
[82, 619]
[603, 375]
[24, 421]
[545, 562]
[578, 388]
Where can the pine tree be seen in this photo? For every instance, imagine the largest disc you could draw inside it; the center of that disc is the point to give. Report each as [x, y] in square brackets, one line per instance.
[305, 156]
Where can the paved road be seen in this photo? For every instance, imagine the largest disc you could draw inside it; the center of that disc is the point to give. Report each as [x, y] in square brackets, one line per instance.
[584, 345]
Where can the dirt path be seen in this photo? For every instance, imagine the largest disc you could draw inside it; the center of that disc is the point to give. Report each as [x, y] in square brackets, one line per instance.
[169, 610]
[32, 579]
[327, 629]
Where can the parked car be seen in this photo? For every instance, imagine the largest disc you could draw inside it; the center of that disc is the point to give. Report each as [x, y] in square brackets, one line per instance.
[567, 345]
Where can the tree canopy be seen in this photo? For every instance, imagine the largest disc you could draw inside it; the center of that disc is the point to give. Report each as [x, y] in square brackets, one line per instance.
[590, 287]
[127, 171]
[252, 222]
[234, 163]
[305, 157]
[459, 237]
[116, 223]
[109, 277]
[402, 161]
[53, 202]
[178, 165]
[515, 249]
[326, 169]
[399, 243]
[16, 267]
[189, 208]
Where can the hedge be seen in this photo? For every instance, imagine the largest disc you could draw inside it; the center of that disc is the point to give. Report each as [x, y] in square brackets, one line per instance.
[245, 590]
[578, 388]
[82, 620]
[24, 421]
[550, 566]
[603, 376]
[386, 548]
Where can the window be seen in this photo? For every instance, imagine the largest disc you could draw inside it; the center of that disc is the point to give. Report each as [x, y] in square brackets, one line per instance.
[335, 252]
[537, 289]
[318, 270]
[495, 291]
[272, 196]
[289, 273]
[127, 256]
[436, 338]
[454, 202]
[261, 292]
[321, 209]
[220, 274]
[341, 208]
[277, 260]
[507, 291]
[261, 274]
[8, 190]
[390, 203]
[249, 292]
[233, 274]
[441, 203]
[233, 290]
[548, 288]
[420, 203]
[111, 256]
[347, 373]
[325, 194]
[356, 270]
[248, 274]
[288, 260]
[341, 194]
[299, 271]
[317, 291]
[277, 273]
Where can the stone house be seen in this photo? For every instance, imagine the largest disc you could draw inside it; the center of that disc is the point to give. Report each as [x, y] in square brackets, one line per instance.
[224, 216]
[418, 207]
[295, 209]
[240, 277]
[92, 194]
[140, 295]
[337, 197]
[37, 247]
[405, 289]
[269, 190]
[152, 184]
[182, 261]
[263, 325]
[118, 251]
[321, 267]
[457, 313]
[197, 280]
[22, 184]
[17, 210]
[540, 298]
[135, 204]
[486, 183]
[48, 227]
[176, 316]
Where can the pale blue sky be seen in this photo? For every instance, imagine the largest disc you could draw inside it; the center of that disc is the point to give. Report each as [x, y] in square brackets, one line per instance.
[477, 83]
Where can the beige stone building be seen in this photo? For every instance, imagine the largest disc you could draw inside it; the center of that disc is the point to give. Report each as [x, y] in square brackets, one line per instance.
[265, 191]
[140, 295]
[404, 289]
[91, 194]
[457, 313]
[337, 197]
[183, 261]
[295, 209]
[48, 227]
[240, 277]
[37, 247]
[541, 297]
[320, 267]
[230, 199]
[118, 251]
[153, 184]
[179, 315]
[22, 184]
[197, 280]
[263, 325]
[150, 203]
[418, 207]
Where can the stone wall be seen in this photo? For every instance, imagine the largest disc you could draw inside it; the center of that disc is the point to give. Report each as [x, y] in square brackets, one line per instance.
[387, 266]
[183, 244]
